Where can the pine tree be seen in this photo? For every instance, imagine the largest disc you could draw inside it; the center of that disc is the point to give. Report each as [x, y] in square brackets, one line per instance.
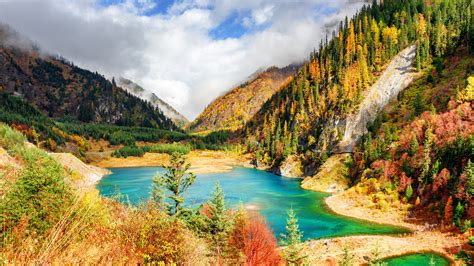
[418, 104]
[294, 142]
[292, 239]
[418, 58]
[176, 180]
[458, 213]
[158, 194]
[426, 155]
[409, 192]
[413, 145]
[469, 169]
[218, 223]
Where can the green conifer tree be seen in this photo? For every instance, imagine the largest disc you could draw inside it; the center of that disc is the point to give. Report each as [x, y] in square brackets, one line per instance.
[413, 145]
[458, 213]
[409, 192]
[418, 58]
[292, 239]
[218, 223]
[176, 180]
[426, 155]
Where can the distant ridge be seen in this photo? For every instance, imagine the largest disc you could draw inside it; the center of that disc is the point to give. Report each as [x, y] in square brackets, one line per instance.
[144, 94]
[233, 109]
[59, 89]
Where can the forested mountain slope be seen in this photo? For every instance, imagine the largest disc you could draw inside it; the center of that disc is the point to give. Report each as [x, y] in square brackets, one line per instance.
[140, 92]
[59, 89]
[307, 117]
[420, 149]
[236, 107]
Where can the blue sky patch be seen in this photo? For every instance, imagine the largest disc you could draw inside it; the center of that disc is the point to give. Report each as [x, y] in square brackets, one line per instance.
[231, 27]
[161, 6]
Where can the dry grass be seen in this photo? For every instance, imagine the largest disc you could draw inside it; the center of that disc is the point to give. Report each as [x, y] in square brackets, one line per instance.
[425, 237]
[201, 161]
[330, 251]
[98, 231]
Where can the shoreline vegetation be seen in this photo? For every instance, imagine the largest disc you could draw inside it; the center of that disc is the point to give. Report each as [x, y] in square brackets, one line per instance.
[422, 238]
[425, 237]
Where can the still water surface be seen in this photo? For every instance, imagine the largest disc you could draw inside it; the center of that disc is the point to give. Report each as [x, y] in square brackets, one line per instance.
[273, 195]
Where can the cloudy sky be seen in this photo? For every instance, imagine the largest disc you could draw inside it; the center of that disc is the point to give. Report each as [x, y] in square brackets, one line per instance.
[187, 51]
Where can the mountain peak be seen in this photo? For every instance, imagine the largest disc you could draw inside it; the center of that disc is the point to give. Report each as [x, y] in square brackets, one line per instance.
[147, 95]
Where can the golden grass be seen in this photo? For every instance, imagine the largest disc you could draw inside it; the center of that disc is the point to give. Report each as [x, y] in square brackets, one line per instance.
[201, 161]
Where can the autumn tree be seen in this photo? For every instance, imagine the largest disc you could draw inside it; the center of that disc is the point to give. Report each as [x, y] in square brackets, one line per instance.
[350, 44]
[252, 242]
[448, 210]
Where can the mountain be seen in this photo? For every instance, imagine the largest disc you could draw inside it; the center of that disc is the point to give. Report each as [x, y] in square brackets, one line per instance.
[307, 117]
[233, 109]
[140, 92]
[59, 89]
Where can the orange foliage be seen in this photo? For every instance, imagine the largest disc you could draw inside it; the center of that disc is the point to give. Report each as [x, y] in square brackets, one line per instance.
[29, 132]
[448, 210]
[252, 238]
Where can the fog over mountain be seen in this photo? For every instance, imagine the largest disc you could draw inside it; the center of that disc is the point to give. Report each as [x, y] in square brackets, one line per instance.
[187, 52]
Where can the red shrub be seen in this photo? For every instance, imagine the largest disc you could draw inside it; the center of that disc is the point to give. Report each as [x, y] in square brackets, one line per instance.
[441, 179]
[405, 181]
[252, 238]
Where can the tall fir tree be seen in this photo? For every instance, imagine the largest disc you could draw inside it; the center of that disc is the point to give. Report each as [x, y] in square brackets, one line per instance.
[176, 180]
[219, 224]
[292, 239]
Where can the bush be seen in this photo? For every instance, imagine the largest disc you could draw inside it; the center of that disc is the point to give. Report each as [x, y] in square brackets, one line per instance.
[40, 195]
[170, 148]
[10, 138]
[129, 151]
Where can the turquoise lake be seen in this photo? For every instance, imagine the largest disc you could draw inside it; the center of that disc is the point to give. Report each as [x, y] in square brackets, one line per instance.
[274, 195]
[417, 260]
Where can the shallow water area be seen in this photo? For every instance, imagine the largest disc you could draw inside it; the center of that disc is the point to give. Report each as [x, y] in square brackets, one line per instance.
[418, 260]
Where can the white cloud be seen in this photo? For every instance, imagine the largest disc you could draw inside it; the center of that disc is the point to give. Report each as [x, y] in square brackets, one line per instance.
[172, 53]
[262, 15]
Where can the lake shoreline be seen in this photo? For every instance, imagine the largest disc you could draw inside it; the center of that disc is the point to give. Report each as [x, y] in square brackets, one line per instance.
[202, 161]
[422, 239]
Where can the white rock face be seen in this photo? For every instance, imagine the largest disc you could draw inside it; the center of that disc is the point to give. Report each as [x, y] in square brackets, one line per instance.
[398, 75]
[140, 92]
[291, 167]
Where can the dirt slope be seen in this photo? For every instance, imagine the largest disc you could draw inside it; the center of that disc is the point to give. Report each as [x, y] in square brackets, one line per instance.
[398, 75]
[87, 175]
